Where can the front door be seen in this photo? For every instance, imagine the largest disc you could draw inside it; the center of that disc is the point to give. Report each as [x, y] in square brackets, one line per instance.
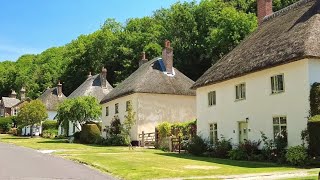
[243, 131]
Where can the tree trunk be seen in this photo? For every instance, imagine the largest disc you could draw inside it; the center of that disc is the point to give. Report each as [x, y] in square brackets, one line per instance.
[31, 130]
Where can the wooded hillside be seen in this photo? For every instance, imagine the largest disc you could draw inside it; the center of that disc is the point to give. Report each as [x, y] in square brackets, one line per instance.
[200, 33]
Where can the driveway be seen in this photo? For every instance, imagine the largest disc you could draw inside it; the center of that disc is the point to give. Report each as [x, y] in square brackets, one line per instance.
[27, 164]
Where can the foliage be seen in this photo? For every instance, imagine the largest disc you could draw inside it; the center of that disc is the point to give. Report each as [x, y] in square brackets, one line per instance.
[32, 113]
[49, 124]
[164, 129]
[221, 148]
[297, 155]
[274, 150]
[5, 124]
[314, 137]
[78, 110]
[49, 133]
[115, 126]
[314, 99]
[76, 136]
[13, 131]
[89, 133]
[197, 146]
[129, 121]
[238, 154]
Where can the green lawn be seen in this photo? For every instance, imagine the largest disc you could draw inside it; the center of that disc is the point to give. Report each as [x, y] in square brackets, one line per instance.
[143, 163]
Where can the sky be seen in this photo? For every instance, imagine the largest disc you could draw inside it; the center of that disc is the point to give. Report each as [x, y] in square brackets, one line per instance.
[30, 27]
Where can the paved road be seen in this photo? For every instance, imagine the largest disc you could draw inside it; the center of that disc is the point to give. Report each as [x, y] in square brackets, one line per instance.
[18, 163]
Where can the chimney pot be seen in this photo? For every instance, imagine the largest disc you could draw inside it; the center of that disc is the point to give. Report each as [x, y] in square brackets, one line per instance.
[59, 89]
[264, 8]
[22, 94]
[143, 59]
[103, 77]
[89, 75]
[167, 57]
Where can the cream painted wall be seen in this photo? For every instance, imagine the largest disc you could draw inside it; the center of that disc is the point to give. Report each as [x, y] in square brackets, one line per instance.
[151, 109]
[260, 105]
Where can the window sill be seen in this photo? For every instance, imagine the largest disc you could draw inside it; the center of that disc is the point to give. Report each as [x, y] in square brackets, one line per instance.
[278, 92]
[237, 100]
[212, 105]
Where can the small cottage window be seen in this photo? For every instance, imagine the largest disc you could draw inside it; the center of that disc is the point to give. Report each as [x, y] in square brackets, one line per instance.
[212, 98]
[107, 111]
[241, 91]
[116, 108]
[277, 84]
[280, 128]
[128, 103]
[213, 133]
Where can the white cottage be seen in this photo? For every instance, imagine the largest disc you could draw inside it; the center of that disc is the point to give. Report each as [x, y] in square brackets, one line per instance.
[264, 83]
[157, 91]
[96, 86]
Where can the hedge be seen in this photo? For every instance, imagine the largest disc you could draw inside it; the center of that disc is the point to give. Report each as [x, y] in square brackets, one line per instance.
[314, 137]
[49, 124]
[89, 133]
[5, 124]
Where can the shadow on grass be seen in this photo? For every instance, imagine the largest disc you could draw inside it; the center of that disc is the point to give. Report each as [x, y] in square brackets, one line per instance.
[244, 164]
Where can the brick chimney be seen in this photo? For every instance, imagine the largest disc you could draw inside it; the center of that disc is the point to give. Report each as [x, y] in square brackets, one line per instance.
[167, 57]
[59, 89]
[22, 94]
[264, 8]
[143, 59]
[89, 75]
[13, 94]
[103, 77]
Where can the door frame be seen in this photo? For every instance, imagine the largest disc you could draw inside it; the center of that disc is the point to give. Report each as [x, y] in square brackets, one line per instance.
[247, 130]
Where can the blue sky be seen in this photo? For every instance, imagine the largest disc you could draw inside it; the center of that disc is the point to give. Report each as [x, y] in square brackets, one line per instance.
[29, 27]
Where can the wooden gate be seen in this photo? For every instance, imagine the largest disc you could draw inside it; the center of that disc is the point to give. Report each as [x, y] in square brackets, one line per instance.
[147, 139]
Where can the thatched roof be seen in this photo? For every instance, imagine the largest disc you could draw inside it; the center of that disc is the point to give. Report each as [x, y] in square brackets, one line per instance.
[92, 87]
[9, 102]
[152, 78]
[51, 99]
[285, 36]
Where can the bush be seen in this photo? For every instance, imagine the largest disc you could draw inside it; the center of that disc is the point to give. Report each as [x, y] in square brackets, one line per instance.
[5, 124]
[13, 131]
[221, 148]
[116, 140]
[115, 126]
[314, 136]
[89, 133]
[274, 150]
[49, 124]
[197, 146]
[76, 136]
[164, 129]
[297, 155]
[49, 133]
[238, 154]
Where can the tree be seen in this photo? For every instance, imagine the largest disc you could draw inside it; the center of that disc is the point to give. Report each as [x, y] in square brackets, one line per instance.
[130, 120]
[32, 113]
[78, 110]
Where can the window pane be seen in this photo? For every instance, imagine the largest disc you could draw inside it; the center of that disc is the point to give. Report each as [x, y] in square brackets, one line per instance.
[215, 126]
[272, 85]
[275, 120]
[214, 98]
[237, 92]
[211, 127]
[280, 82]
[276, 131]
[283, 120]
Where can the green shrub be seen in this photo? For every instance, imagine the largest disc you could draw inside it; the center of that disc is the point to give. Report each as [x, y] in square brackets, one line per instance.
[5, 124]
[116, 140]
[164, 129]
[13, 131]
[238, 154]
[49, 124]
[49, 133]
[76, 136]
[297, 155]
[115, 126]
[314, 136]
[89, 133]
[197, 146]
[274, 150]
[221, 148]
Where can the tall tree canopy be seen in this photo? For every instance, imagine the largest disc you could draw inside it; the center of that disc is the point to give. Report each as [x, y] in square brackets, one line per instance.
[200, 33]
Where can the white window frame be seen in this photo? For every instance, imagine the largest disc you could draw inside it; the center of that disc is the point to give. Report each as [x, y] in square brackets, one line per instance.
[240, 90]
[212, 98]
[275, 87]
[279, 125]
[116, 108]
[213, 133]
[107, 111]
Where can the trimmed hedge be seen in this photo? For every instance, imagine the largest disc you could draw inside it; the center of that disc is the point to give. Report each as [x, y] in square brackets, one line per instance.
[314, 137]
[5, 124]
[89, 134]
[49, 124]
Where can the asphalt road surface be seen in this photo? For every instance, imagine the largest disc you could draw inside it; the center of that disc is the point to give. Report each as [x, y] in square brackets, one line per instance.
[18, 163]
